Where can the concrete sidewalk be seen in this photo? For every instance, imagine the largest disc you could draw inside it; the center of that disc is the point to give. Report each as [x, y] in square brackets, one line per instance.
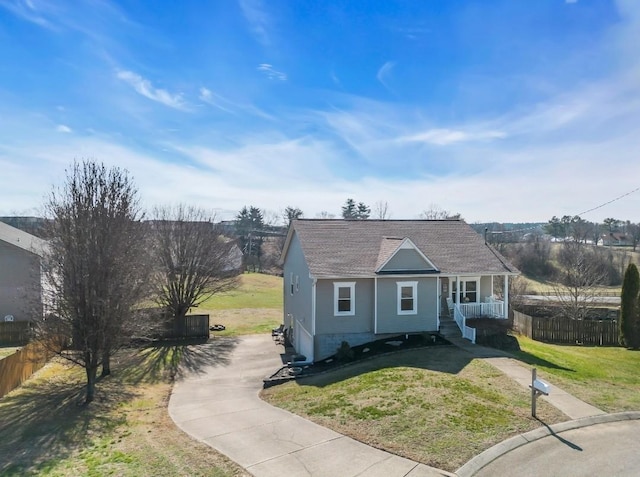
[217, 403]
[560, 399]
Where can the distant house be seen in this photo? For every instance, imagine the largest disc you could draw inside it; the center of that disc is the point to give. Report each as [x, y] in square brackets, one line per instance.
[20, 274]
[616, 239]
[361, 280]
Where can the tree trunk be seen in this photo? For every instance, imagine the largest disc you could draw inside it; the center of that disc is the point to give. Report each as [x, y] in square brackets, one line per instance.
[106, 364]
[91, 370]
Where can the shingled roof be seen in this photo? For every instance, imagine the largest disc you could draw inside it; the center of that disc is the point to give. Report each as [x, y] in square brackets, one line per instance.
[22, 239]
[355, 248]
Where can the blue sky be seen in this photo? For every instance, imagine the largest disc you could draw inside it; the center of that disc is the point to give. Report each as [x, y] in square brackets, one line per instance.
[501, 110]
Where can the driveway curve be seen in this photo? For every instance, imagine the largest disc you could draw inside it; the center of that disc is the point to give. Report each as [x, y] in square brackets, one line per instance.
[215, 400]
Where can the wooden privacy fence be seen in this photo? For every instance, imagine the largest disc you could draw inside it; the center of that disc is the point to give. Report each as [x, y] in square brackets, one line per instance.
[192, 326]
[18, 367]
[567, 331]
[14, 332]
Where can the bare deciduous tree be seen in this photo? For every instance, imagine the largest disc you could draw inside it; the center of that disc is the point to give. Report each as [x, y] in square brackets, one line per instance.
[580, 277]
[435, 212]
[381, 210]
[193, 259]
[95, 266]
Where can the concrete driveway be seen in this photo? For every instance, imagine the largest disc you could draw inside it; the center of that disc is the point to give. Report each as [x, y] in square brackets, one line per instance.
[215, 400]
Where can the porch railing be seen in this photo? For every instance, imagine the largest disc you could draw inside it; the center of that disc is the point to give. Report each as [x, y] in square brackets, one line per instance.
[491, 308]
[460, 319]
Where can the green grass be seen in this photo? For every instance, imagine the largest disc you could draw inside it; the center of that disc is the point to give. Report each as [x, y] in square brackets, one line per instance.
[256, 290]
[254, 307]
[608, 378]
[433, 405]
[8, 350]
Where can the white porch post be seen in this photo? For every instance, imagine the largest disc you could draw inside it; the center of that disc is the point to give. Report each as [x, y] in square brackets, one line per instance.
[438, 301]
[457, 290]
[491, 285]
[506, 296]
[313, 306]
[375, 305]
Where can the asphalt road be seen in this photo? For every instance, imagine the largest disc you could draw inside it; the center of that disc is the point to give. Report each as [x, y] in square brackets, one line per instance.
[610, 449]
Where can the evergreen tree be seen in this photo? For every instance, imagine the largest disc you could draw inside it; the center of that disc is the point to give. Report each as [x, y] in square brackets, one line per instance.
[629, 310]
[353, 211]
[364, 211]
[250, 231]
[349, 210]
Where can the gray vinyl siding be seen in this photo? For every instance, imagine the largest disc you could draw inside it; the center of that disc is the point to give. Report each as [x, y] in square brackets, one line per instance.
[361, 322]
[297, 306]
[425, 320]
[406, 259]
[20, 288]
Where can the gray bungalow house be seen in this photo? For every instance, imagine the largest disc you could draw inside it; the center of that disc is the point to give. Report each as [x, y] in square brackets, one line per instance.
[20, 274]
[362, 280]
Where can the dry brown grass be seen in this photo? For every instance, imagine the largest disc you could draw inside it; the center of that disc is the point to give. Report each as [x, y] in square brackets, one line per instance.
[126, 431]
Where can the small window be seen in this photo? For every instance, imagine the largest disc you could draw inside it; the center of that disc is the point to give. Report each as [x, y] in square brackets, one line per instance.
[297, 283]
[407, 298]
[291, 283]
[344, 298]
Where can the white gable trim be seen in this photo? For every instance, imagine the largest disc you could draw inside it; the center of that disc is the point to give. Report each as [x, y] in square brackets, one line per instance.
[407, 244]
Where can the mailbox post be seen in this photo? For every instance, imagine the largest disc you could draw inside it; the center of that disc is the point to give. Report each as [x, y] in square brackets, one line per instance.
[538, 387]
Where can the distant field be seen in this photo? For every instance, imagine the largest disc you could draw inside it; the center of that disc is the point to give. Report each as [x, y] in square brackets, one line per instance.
[255, 291]
[7, 350]
[254, 307]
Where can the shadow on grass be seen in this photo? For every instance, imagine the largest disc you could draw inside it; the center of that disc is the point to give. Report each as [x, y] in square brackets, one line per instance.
[443, 359]
[44, 421]
[534, 360]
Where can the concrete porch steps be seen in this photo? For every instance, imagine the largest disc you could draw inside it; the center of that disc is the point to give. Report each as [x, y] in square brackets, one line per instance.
[449, 328]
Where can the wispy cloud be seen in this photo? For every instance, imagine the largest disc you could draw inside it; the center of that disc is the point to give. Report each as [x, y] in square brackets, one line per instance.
[28, 11]
[212, 99]
[258, 19]
[63, 128]
[384, 73]
[271, 73]
[146, 89]
[444, 137]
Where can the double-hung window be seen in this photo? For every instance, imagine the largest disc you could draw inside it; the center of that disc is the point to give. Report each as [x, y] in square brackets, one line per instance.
[407, 298]
[344, 298]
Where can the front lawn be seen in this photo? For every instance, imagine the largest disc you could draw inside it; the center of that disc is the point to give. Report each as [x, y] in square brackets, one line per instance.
[435, 405]
[606, 377]
[126, 431]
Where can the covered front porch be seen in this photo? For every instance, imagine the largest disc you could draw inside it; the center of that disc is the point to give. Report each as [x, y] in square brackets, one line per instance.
[475, 297]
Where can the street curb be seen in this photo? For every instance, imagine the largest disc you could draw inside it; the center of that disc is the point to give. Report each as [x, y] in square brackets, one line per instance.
[481, 460]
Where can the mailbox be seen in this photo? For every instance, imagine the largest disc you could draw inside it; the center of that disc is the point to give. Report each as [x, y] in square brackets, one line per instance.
[541, 386]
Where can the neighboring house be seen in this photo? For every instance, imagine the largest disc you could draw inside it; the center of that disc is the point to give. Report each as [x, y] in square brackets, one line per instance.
[616, 238]
[20, 274]
[361, 280]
